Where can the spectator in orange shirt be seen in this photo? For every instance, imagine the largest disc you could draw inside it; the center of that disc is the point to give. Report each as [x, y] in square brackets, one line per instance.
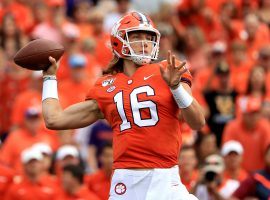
[256, 87]
[217, 55]
[228, 13]
[80, 14]
[240, 65]
[217, 5]
[14, 81]
[73, 187]
[27, 135]
[20, 11]
[254, 33]
[30, 97]
[197, 13]
[197, 50]
[187, 163]
[6, 178]
[251, 130]
[72, 46]
[40, 14]
[55, 27]
[100, 181]
[103, 51]
[47, 153]
[232, 152]
[31, 186]
[78, 81]
[27, 98]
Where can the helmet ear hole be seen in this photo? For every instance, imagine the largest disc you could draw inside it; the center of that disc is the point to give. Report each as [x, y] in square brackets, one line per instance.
[125, 50]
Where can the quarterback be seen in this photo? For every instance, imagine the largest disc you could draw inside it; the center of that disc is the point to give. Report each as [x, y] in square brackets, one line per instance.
[142, 101]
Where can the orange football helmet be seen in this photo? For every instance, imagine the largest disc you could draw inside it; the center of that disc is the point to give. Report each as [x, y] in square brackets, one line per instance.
[131, 22]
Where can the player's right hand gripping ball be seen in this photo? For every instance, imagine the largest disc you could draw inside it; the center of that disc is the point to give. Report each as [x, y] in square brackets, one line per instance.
[35, 55]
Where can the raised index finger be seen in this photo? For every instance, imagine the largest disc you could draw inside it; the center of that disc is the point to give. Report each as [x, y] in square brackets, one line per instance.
[169, 58]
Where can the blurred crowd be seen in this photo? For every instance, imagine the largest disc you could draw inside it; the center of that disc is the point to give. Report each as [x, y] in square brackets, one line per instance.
[226, 44]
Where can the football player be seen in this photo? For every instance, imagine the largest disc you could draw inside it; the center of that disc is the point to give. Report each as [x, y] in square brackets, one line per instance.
[142, 101]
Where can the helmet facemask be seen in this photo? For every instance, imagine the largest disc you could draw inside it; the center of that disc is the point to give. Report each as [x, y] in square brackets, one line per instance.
[140, 58]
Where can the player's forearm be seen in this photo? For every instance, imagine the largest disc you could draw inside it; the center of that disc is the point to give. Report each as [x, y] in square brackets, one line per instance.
[191, 110]
[50, 104]
[193, 115]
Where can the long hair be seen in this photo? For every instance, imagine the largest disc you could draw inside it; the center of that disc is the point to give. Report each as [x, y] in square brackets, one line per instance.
[115, 66]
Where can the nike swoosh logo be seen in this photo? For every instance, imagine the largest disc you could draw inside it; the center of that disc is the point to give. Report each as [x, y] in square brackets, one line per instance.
[147, 77]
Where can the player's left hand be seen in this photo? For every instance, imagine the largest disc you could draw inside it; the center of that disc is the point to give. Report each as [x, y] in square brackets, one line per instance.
[172, 74]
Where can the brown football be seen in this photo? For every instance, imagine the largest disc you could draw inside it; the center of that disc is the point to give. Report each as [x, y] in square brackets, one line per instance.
[35, 55]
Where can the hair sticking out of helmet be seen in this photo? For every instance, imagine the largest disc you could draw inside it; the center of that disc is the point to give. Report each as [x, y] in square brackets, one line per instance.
[124, 42]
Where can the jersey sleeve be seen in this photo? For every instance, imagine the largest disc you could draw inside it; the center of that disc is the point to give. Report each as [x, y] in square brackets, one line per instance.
[94, 94]
[93, 91]
[186, 77]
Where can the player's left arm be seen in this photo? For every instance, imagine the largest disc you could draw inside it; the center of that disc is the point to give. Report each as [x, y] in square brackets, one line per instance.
[190, 108]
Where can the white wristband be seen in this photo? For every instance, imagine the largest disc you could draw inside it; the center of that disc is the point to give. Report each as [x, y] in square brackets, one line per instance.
[182, 97]
[49, 89]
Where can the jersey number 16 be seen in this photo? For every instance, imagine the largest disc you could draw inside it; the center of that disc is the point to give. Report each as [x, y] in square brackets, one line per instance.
[135, 108]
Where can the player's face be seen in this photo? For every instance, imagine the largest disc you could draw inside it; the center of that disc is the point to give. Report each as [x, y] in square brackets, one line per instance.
[141, 42]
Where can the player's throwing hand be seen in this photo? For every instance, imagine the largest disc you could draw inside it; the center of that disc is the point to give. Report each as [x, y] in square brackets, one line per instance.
[52, 69]
[172, 74]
